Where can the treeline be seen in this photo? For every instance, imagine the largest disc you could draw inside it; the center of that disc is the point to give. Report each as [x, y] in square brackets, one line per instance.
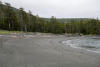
[13, 19]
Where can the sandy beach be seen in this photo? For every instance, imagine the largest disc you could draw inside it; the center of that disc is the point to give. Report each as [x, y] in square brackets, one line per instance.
[44, 51]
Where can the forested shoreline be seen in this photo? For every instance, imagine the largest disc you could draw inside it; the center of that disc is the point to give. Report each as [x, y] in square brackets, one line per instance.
[13, 19]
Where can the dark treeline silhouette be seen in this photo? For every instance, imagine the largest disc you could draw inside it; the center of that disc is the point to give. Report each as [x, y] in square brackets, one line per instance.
[13, 19]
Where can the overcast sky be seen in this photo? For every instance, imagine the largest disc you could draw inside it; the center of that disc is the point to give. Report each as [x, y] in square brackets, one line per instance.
[60, 8]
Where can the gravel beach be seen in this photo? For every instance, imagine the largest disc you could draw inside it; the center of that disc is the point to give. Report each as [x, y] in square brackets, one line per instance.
[44, 51]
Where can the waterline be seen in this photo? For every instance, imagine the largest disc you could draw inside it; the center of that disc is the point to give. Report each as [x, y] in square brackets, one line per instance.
[87, 43]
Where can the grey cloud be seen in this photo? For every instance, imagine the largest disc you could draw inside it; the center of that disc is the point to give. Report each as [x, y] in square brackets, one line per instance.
[60, 8]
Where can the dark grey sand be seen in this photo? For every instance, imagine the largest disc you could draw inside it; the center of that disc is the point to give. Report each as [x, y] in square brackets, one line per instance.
[44, 51]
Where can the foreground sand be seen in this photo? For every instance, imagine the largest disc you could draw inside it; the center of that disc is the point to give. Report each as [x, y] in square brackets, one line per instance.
[44, 51]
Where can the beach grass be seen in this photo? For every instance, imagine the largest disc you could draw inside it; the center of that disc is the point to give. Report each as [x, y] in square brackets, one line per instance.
[9, 32]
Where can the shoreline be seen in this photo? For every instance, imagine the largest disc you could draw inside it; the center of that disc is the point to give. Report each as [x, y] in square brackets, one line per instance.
[44, 51]
[69, 43]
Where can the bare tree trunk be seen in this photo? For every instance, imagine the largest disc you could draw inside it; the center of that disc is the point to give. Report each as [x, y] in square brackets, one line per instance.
[9, 26]
[25, 28]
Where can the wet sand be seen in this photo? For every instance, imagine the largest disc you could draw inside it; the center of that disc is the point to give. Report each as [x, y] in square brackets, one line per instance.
[44, 51]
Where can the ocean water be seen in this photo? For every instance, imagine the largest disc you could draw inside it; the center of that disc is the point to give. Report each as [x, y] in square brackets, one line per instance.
[88, 43]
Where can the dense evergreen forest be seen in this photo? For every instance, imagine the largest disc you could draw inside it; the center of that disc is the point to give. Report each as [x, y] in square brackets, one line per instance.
[13, 19]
